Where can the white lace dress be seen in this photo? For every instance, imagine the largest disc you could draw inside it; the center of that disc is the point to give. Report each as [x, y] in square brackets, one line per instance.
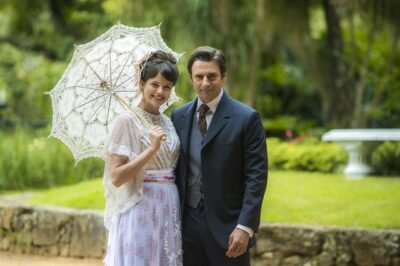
[143, 215]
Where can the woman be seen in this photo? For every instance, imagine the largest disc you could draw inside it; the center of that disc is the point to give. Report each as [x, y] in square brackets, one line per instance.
[142, 204]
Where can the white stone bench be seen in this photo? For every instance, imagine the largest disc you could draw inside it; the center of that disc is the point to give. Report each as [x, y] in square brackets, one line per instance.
[358, 143]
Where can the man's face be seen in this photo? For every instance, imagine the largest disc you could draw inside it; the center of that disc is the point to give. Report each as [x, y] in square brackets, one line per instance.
[207, 80]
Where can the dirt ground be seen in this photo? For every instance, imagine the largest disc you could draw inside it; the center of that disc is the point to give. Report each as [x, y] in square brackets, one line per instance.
[9, 259]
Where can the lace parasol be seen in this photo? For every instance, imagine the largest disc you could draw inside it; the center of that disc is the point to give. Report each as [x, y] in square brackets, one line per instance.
[100, 82]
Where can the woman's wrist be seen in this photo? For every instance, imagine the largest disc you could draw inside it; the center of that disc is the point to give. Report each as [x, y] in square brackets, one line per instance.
[151, 150]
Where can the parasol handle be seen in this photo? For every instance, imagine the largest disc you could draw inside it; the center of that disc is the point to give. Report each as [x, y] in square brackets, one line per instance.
[141, 118]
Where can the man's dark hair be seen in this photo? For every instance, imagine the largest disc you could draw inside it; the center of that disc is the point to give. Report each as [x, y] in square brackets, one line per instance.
[207, 53]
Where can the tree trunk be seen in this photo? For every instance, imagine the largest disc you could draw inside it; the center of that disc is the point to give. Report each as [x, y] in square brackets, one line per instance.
[255, 56]
[358, 121]
[254, 66]
[337, 97]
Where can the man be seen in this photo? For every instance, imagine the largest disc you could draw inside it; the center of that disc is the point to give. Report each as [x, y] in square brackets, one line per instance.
[222, 169]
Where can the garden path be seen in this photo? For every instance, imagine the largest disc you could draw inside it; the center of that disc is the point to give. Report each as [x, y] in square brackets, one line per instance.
[10, 259]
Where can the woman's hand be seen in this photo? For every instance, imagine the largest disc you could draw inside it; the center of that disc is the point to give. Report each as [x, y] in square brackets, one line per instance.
[156, 135]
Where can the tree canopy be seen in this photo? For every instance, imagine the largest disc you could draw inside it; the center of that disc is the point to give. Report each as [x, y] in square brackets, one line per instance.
[301, 63]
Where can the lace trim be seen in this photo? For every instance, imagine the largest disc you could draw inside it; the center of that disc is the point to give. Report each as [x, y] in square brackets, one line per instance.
[148, 116]
[121, 150]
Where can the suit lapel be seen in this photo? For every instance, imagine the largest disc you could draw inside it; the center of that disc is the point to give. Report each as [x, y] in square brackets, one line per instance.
[187, 120]
[219, 120]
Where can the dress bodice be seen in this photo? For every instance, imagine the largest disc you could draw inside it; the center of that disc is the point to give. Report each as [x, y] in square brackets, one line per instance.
[130, 137]
[167, 155]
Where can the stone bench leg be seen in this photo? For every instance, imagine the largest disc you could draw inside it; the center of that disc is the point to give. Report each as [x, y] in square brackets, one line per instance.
[357, 165]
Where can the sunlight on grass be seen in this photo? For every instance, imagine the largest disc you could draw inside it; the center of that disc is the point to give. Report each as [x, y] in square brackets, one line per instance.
[328, 199]
[84, 195]
[292, 197]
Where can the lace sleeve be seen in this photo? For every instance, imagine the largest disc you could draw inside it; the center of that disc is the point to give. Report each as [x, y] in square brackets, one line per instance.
[125, 138]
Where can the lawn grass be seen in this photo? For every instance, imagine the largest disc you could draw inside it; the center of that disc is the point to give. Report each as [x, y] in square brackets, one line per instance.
[291, 197]
[328, 199]
[84, 195]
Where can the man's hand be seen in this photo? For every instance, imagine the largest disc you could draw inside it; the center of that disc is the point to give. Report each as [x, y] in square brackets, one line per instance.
[238, 241]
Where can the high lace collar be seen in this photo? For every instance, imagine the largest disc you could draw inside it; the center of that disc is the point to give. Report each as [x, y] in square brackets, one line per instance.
[148, 116]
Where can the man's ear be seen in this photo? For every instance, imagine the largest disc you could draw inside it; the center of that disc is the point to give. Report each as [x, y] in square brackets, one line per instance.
[224, 77]
[141, 85]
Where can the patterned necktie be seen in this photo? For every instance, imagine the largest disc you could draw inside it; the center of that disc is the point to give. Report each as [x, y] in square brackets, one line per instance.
[202, 122]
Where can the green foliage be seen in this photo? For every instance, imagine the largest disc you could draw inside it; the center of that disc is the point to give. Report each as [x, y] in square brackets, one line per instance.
[280, 123]
[276, 127]
[277, 53]
[386, 158]
[29, 77]
[287, 91]
[32, 161]
[305, 155]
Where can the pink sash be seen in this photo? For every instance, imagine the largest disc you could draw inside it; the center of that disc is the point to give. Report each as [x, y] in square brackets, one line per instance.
[163, 175]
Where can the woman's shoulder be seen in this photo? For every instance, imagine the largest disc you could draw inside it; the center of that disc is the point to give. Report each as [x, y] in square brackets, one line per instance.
[165, 117]
[127, 118]
[124, 117]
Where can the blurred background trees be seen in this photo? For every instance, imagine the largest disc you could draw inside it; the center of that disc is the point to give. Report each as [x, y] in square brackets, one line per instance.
[305, 65]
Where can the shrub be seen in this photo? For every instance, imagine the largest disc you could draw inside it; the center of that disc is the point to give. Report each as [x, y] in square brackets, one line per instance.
[29, 160]
[386, 158]
[306, 155]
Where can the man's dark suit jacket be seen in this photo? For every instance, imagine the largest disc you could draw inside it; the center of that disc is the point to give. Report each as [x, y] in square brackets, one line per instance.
[233, 165]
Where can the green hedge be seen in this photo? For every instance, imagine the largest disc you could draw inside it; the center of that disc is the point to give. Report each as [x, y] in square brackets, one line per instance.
[30, 160]
[305, 155]
[386, 158]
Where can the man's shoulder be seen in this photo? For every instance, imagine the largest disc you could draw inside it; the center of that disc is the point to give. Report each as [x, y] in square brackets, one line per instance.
[183, 108]
[240, 107]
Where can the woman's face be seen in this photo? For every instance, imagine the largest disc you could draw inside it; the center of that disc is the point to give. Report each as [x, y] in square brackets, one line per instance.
[156, 91]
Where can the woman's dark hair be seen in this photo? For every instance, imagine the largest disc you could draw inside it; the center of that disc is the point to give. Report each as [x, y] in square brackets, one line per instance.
[162, 63]
[207, 53]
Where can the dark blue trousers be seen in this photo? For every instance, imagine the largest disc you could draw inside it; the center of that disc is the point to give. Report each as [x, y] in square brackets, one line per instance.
[199, 246]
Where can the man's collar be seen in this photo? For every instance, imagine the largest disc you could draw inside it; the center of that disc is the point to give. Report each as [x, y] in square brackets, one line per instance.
[213, 104]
